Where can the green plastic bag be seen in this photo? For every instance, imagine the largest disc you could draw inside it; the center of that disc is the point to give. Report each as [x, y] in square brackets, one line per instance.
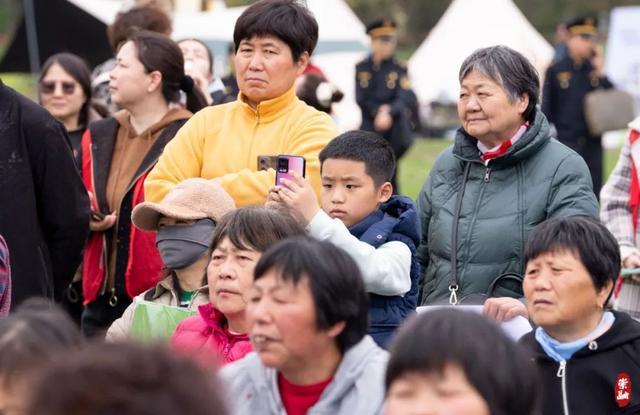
[153, 321]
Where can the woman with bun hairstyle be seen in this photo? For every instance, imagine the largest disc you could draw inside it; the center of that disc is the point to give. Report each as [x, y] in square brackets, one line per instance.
[121, 261]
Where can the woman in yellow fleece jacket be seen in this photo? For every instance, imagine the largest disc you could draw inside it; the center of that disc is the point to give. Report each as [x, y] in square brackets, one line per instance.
[273, 41]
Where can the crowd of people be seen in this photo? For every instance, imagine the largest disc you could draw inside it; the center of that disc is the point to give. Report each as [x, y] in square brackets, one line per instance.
[181, 268]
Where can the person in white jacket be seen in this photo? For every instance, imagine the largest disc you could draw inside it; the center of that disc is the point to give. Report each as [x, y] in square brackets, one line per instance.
[308, 321]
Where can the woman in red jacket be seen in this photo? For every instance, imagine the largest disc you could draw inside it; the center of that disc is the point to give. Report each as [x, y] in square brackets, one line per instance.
[117, 153]
[218, 334]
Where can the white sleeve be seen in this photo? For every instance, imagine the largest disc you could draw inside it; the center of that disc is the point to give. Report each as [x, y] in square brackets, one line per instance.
[386, 270]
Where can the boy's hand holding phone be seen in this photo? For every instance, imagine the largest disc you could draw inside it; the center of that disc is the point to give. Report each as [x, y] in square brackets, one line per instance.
[298, 195]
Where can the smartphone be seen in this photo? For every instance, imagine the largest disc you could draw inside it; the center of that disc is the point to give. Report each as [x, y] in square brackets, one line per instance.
[286, 163]
[97, 215]
[267, 162]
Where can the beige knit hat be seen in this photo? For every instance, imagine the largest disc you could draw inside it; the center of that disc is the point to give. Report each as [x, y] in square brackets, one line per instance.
[194, 198]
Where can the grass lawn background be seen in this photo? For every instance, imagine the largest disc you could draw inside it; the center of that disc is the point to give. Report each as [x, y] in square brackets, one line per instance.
[414, 166]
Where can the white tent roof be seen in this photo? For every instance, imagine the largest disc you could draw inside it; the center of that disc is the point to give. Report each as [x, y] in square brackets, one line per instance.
[468, 25]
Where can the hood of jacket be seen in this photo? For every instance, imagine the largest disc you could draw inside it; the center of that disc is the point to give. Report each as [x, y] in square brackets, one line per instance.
[396, 215]
[404, 209]
[166, 286]
[353, 368]
[124, 120]
[213, 317]
[364, 363]
[623, 331]
[537, 135]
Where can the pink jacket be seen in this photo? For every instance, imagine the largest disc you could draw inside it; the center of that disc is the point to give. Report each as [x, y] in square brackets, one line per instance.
[208, 337]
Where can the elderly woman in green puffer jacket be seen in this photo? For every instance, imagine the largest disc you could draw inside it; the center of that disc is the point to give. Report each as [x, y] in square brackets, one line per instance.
[503, 175]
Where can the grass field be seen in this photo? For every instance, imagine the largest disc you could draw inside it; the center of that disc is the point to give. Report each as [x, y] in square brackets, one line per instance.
[23, 83]
[415, 165]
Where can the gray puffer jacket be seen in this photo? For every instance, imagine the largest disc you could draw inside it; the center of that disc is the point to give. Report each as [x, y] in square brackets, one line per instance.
[536, 179]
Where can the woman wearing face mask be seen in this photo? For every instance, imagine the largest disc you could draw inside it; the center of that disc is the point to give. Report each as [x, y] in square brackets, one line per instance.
[120, 261]
[185, 221]
[218, 334]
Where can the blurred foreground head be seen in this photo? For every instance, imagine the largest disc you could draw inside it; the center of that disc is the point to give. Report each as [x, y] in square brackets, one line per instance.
[457, 362]
[36, 334]
[125, 379]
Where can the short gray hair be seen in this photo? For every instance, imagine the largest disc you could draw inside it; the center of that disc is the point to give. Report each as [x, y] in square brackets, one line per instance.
[508, 68]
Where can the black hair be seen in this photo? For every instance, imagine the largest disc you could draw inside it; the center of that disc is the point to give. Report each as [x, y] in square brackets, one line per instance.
[308, 91]
[78, 69]
[287, 20]
[209, 55]
[367, 147]
[256, 228]
[493, 364]
[125, 379]
[138, 18]
[32, 335]
[335, 282]
[157, 52]
[509, 68]
[586, 238]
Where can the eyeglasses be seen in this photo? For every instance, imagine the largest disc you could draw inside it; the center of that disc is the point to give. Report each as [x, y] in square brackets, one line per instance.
[49, 87]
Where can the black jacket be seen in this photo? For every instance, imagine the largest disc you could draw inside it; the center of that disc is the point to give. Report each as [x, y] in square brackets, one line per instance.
[565, 86]
[387, 83]
[44, 207]
[593, 374]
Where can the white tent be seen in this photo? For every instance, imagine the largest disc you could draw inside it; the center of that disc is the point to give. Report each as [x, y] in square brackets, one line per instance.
[342, 41]
[468, 25]
[623, 50]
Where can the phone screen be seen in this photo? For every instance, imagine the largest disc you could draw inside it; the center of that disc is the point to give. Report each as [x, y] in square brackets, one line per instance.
[285, 164]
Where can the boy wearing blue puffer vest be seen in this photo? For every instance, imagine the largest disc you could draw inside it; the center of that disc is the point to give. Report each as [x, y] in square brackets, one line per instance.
[361, 215]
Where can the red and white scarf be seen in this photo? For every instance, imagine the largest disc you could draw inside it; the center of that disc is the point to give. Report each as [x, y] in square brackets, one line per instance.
[634, 194]
[499, 150]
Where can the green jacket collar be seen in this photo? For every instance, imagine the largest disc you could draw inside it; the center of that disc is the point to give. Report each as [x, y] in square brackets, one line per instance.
[537, 135]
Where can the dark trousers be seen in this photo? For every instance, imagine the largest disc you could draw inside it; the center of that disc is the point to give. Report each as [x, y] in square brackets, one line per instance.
[99, 314]
[72, 301]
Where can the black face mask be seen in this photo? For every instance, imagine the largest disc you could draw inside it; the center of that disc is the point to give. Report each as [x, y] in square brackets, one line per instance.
[182, 245]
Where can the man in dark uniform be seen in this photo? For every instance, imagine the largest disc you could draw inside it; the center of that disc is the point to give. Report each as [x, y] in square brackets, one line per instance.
[566, 84]
[383, 91]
